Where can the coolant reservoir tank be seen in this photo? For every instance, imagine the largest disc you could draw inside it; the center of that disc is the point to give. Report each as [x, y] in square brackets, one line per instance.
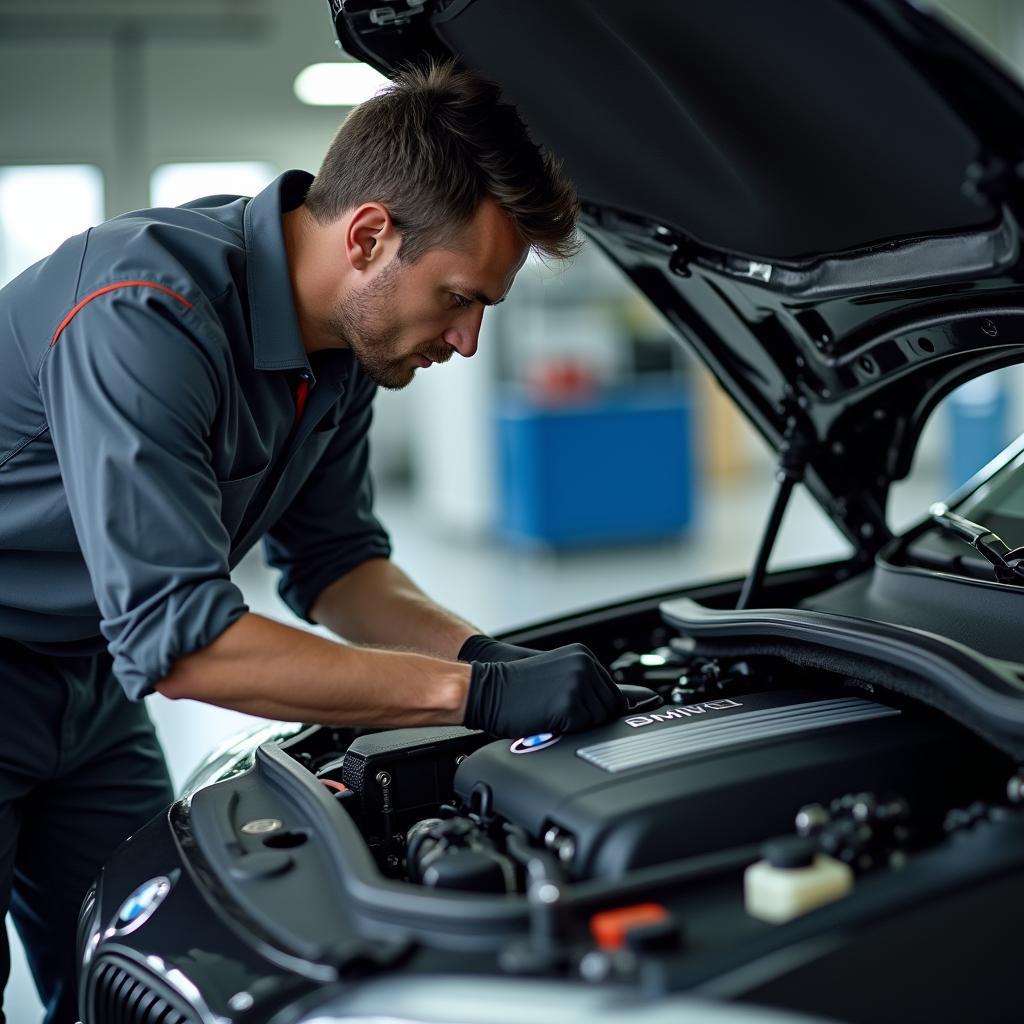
[792, 879]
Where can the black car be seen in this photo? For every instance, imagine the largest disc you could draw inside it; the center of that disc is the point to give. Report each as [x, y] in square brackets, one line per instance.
[813, 805]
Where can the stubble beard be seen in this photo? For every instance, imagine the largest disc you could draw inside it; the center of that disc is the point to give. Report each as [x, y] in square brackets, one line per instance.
[358, 322]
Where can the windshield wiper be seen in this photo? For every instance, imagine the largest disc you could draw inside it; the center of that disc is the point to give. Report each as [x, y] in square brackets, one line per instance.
[1007, 562]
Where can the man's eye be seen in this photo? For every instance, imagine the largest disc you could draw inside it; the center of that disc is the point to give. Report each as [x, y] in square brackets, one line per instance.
[460, 301]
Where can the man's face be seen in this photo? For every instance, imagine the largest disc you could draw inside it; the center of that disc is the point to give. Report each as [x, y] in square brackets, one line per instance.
[411, 315]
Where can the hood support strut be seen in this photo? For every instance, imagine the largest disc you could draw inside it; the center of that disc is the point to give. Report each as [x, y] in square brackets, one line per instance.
[792, 460]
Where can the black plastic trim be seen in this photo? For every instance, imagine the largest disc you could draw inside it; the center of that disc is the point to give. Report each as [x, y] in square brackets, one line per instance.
[932, 668]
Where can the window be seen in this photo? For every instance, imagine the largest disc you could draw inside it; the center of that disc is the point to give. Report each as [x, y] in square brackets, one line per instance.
[40, 207]
[174, 184]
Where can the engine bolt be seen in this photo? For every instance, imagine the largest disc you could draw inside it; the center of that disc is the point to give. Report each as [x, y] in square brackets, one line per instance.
[864, 808]
[810, 819]
[460, 758]
[383, 779]
[595, 966]
[548, 892]
[392, 862]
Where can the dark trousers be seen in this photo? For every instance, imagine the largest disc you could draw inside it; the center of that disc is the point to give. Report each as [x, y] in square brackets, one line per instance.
[80, 770]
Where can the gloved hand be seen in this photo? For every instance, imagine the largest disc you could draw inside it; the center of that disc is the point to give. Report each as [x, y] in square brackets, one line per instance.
[565, 690]
[485, 648]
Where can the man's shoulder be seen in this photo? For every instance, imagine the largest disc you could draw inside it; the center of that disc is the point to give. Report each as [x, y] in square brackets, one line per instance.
[196, 250]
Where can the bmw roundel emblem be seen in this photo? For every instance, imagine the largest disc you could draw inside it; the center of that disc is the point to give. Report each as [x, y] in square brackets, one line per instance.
[528, 744]
[138, 908]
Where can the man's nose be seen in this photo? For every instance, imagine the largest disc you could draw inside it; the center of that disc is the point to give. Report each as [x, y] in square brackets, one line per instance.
[464, 336]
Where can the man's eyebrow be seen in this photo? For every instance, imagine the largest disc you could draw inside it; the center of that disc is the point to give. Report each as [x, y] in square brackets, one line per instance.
[484, 300]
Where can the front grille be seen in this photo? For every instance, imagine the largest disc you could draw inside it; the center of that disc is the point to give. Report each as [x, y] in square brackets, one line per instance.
[121, 993]
[692, 737]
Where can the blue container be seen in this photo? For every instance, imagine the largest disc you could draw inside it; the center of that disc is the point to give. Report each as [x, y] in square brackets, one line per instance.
[613, 469]
[979, 414]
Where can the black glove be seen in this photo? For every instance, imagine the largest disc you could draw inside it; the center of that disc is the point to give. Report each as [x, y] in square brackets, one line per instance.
[565, 690]
[486, 648]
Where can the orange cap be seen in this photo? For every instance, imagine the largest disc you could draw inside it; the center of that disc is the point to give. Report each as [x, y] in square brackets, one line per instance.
[609, 928]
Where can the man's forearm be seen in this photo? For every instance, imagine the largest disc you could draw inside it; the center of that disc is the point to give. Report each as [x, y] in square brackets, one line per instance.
[378, 604]
[265, 668]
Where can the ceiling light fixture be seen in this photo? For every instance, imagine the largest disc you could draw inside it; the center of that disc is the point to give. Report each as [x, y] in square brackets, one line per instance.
[342, 84]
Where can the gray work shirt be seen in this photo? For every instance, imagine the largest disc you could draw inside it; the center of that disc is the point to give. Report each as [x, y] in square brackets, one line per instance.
[151, 372]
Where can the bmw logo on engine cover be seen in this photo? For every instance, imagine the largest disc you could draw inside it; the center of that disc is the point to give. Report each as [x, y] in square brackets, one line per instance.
[528, 744]
[138, 908]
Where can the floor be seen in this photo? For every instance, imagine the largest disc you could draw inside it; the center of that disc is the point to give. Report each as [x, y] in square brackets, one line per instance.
[499, 588]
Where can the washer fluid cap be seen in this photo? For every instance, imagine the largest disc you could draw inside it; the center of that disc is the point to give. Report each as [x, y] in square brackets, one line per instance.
[789, 852]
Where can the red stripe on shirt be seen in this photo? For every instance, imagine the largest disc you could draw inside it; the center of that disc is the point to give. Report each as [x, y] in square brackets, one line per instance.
[301, 394]
[109, 288]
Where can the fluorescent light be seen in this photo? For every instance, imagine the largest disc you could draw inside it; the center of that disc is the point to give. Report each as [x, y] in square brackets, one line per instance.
[337, 85]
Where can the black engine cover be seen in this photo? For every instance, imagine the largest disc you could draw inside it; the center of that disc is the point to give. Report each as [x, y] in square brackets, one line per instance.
[692, 779]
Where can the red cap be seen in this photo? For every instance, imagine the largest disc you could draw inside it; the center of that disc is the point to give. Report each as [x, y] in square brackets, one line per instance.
[610, 927]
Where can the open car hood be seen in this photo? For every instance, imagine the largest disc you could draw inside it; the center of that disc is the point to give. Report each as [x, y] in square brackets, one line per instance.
[822, 196]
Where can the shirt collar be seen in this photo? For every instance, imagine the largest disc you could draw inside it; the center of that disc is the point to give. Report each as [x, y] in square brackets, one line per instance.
[276, 341]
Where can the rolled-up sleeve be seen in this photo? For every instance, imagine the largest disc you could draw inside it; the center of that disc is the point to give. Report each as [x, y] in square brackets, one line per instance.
[130, 389]
[329, 528]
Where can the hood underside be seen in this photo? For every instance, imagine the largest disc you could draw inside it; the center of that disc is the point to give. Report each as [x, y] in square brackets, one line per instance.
[822, 196]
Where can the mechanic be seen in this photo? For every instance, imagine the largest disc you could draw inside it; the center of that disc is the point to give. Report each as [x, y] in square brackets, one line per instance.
[179, 383]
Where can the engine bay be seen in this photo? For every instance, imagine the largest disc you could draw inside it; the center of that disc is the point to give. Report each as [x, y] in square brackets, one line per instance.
[751, 807]
[713, 755]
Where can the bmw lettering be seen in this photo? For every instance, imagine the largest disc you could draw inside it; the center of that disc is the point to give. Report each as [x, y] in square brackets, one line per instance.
[687, 711]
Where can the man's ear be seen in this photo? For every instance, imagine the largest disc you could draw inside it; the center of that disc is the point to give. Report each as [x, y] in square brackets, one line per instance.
[369, 230]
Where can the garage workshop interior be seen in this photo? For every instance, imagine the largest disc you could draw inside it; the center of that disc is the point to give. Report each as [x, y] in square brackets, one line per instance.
[758, 446]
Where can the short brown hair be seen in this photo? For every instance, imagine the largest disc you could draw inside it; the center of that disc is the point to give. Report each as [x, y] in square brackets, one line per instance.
[430, 147]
